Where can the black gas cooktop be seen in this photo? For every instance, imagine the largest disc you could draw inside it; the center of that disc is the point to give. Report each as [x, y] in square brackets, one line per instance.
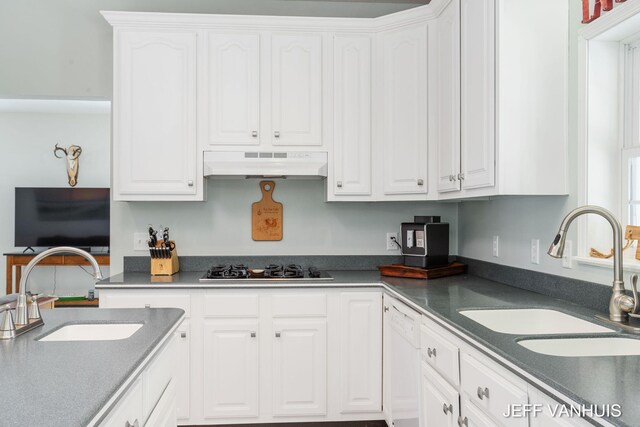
[272, 272]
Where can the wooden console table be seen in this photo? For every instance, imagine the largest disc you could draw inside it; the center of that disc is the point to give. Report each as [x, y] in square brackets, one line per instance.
[19, 260]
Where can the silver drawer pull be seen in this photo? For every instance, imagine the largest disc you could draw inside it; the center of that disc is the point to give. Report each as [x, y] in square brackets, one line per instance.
[339, 184]
[431, 352]
[277, 334]
[254, 134]
[183, 334]
[136, 423]
[421, 182]
[463, 421]
[253, 334]
[276, 134]
[483, 392]
[190, 183]
[447, 408]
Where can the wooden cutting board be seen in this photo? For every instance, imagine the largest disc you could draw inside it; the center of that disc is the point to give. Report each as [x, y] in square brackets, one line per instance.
[266, 215]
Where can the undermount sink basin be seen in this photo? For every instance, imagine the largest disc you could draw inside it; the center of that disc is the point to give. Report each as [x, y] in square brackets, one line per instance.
[584, 347]
[532, 321]
[93, 332]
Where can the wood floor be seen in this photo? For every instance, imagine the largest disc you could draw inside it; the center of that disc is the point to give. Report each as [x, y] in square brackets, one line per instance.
[378, 423]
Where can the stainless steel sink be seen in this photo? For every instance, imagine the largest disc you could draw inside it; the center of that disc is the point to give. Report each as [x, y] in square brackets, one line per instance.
[93, 332]
[532, 321]
[584, 347]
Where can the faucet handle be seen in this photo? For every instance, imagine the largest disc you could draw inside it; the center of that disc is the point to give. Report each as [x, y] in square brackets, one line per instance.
[34, 308]
[634, 289]
[7, 327]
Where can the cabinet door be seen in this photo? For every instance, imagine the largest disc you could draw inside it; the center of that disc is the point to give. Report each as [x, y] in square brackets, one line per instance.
[233, 79]
[230, 368]
[440, 401]
[448, 43]
[360, 351]
[182, 378]
[128, 409]
[477, 86]
[296, 89]
[352, 115]
[387, 360]
[471, 416]
[154, 145]
[404, 109]
[300, 367]
[164, 413]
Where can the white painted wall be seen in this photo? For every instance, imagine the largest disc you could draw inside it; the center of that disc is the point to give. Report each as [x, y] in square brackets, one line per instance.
[222, 224]
[63, 48]
[26, 142]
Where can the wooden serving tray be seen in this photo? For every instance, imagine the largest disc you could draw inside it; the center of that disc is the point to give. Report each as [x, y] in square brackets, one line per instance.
[399, 270]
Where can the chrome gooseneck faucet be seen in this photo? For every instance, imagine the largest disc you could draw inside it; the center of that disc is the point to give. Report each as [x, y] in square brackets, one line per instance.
[22, 317]
[620, 304]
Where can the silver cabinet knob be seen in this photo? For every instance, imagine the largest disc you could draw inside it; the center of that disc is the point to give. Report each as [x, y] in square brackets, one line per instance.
[136, 423]
[463, 421]
[276, 134]
[254, 134]
[447, 408]
[253, 334]
[147, 306]
[483, 392]
[183, 334]
[386, 309]
[190, 183]
[420, 182]
[431, 352]
[277, 334]
[461, 176]
[339, 184]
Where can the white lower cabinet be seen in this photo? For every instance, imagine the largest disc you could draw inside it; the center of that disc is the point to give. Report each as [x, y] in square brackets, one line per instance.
[300, 367]
[230, 368]
[440, 401]
[151, 397]
[272, 355]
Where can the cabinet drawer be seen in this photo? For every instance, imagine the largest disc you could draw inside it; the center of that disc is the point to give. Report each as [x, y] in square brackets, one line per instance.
[440, 354]
[491, 391]
[128, 409]
[152, 299]
[231, 305]
[158, 375]
[300, 305]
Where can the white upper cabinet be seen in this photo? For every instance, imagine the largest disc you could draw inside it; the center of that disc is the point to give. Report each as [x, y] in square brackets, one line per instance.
[234, 88]
[477, 89]
[154, 121]
[296, 89]
[351, 115]
[513, 80]
[404, 110]
[448, 103]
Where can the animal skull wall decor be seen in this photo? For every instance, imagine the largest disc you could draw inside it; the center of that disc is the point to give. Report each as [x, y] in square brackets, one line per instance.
[71, 154]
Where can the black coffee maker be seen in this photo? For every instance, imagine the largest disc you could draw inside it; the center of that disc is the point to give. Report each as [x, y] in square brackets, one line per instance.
[425, 242]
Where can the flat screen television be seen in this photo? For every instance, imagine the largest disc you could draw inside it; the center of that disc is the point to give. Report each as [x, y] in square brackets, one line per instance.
[48, 217]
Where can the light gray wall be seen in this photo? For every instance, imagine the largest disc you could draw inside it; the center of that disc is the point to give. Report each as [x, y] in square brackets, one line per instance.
[517, 220]
[27, 141]
[222, 224]
[63, 48]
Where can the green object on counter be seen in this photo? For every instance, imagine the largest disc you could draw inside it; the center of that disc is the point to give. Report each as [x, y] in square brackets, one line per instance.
[72, 298]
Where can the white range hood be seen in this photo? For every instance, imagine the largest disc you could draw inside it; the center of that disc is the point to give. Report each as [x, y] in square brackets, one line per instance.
[265, 164]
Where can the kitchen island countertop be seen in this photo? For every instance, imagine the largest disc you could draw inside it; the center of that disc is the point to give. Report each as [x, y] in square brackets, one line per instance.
[68, 383]
[587, 380]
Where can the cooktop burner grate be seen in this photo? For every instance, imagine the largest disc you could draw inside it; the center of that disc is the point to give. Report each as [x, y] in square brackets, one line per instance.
[272, 272]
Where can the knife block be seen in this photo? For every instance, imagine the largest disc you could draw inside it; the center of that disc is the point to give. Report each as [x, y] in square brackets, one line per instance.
[165, 266]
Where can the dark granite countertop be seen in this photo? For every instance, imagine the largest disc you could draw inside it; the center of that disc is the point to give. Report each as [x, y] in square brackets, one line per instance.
[586, 380]
[68, 383]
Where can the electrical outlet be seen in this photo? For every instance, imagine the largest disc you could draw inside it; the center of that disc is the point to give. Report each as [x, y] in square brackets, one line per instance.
[567, 258]
[140, 241]
[496, 242]
[535, 251]
[391, 245]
